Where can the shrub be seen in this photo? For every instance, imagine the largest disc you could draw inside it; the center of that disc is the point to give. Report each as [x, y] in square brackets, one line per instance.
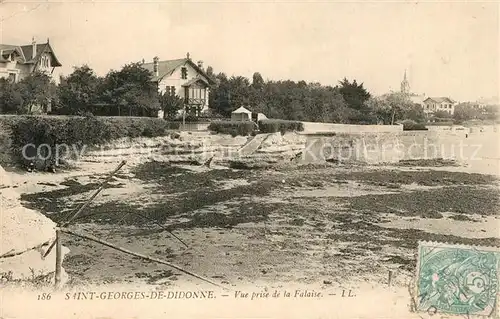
[409, 125]
[74, 130]
[235, 128]
[272, 126]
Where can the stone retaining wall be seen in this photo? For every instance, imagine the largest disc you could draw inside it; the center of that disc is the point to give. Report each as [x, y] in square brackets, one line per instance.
[318, 127]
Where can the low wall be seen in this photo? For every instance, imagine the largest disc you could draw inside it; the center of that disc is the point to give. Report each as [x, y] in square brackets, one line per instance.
[318, 127]
[194, 126]
[374, 147]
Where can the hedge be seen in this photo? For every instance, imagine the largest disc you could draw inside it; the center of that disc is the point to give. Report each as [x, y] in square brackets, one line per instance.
[235, 128]
[79, 131]
[410, 125]
[272, 126]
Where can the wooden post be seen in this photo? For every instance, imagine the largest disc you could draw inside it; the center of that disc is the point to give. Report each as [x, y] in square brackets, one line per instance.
[389, 280]
[103, 184]
[184, 118]
[126, 251]
[57, 276]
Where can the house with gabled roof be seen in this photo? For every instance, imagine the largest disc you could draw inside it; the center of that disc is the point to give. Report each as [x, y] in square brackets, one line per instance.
[184, 78]
[18, 61]
[434, 104]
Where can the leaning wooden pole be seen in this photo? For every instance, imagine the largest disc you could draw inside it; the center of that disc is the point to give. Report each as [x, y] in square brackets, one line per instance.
[103, 185]
[105, 243]
[57, 275]
[75, 215]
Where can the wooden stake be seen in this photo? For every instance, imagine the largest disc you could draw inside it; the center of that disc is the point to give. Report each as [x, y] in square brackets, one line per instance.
[95, 194]
[123, 250]
[103, 184]
[57, 276]
[390, 278]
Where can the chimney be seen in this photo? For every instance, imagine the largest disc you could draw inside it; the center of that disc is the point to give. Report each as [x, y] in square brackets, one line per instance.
[188, 56]
[33, 44]
[200, 64]
[155, 66]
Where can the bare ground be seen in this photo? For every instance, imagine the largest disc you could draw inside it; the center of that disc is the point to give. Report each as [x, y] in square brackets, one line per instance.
[329, 224]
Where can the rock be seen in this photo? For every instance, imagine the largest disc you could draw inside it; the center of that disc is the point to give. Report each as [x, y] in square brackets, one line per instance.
[24, 235]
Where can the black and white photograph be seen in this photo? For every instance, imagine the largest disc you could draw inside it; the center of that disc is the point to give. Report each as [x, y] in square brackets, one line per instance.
[249, 159]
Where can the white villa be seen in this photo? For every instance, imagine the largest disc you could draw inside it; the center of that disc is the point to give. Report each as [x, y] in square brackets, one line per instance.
[184, 78]
[18, 61]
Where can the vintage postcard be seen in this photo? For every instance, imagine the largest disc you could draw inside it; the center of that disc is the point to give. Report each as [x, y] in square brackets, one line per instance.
[249, 159]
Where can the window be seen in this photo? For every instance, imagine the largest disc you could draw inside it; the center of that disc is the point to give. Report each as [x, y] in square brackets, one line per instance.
[12, 77]
[184, 73]
[172, 90]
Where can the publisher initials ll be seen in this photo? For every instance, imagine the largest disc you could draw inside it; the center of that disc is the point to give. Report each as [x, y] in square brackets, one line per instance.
[349, 294]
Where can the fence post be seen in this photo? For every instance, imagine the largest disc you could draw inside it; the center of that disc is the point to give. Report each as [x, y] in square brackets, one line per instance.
[57, 276]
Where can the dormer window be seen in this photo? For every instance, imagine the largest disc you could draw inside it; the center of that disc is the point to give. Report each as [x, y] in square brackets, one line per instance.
[184, 73]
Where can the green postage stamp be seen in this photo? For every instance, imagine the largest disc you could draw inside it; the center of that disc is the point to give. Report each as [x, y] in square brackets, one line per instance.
[457, 279]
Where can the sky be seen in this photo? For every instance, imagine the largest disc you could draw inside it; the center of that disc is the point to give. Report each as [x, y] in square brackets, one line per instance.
[448, 48]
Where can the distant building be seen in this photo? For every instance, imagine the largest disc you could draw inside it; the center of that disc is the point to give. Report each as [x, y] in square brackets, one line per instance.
[405, 85]
[184, 78]
[430, 105]
[434, 104]
[484, 102]
[415, 98]
[18, 61]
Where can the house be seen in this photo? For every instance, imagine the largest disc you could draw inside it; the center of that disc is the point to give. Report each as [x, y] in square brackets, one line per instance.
[184, 78]
[18, 61]
[434, 104]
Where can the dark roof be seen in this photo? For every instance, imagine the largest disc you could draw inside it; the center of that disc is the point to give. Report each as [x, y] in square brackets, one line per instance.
[167, 67]
[440, 99]
[26, 51]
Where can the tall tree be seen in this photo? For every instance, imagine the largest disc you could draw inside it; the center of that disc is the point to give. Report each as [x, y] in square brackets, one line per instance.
[466, 111]
[171, 104]
[37, 90]
[79, 90]
[11, 99]
[392, 107]
[132, 88]
[257, 81]
[355, 95]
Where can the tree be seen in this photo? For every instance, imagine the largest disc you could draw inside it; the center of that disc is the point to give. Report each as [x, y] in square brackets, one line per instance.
[132, 87]
[170, 104]
[442, 114]
[257, 81]
[239, 92]
[79, 90]
[391, 107]
[354, 94]
[465, 111]
[37, 89]
[11, 100]
[490, 112]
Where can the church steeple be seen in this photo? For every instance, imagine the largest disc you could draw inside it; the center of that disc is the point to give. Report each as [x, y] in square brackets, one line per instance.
[405, 85]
